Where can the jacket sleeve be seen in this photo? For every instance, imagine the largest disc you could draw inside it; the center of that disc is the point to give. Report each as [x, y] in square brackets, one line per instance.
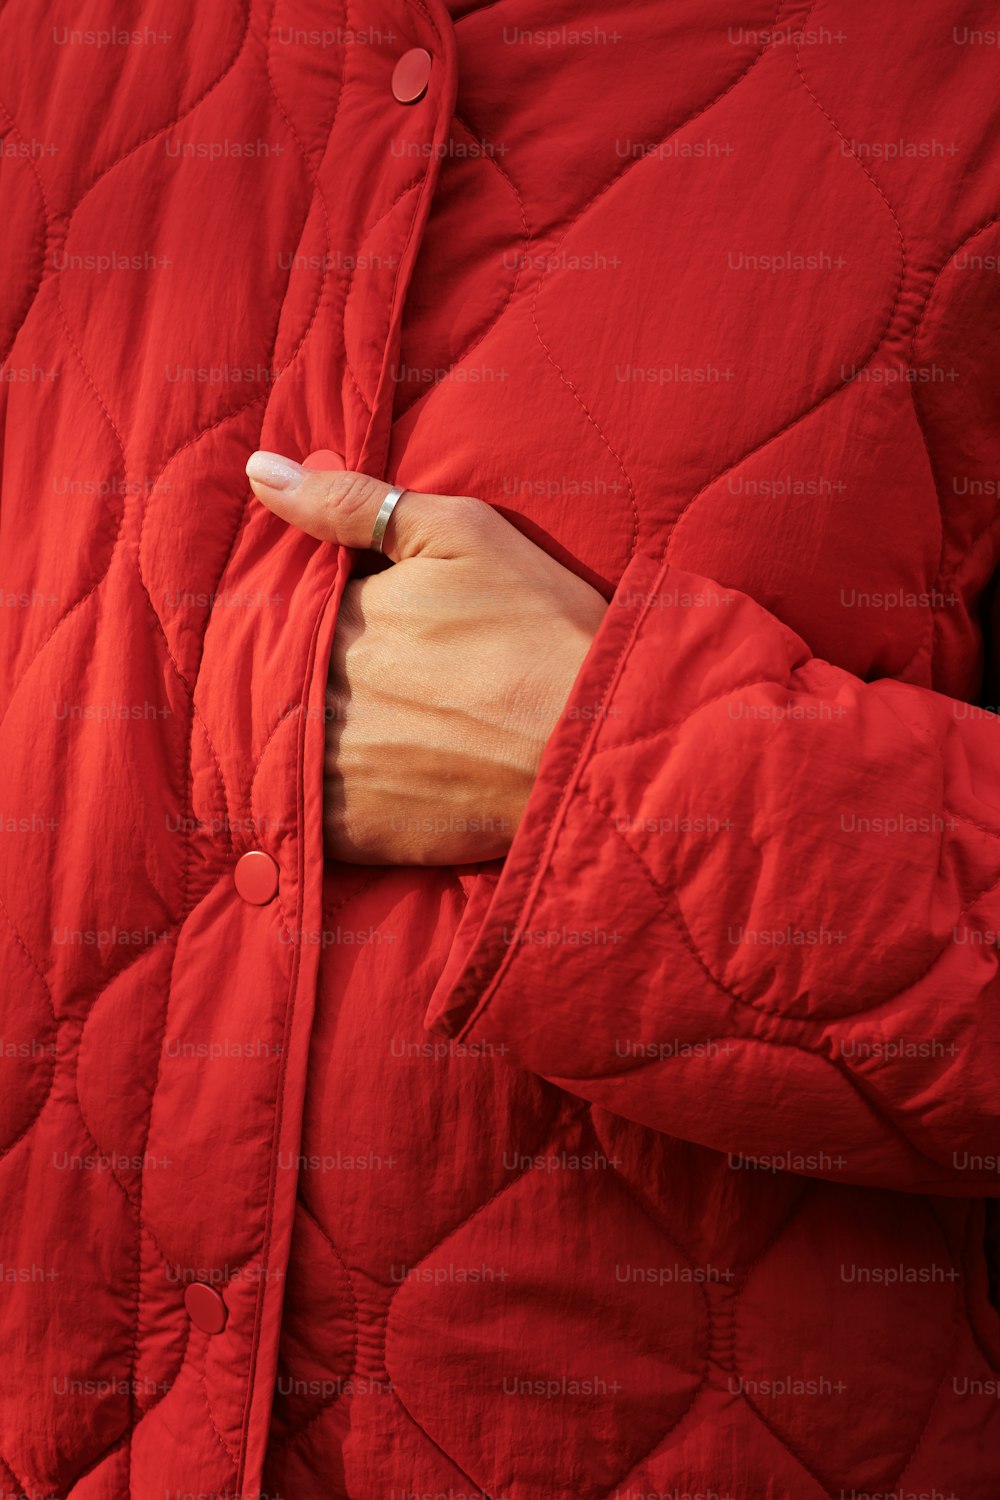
[754, 902]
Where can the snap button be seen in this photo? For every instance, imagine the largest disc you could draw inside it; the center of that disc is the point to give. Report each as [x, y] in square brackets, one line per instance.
[411, 74]
[256, 877]
[205, 1307]
[323, 458]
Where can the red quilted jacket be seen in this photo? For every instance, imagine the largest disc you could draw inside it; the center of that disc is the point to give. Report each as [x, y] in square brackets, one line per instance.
[654, 1161]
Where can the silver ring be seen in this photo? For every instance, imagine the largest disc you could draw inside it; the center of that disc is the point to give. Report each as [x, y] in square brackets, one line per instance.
[386, 509]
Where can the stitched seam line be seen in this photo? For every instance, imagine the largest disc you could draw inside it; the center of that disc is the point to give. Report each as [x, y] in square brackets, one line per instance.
[842, 385]
[703, 703]
[232, 1457]
[47, 993]
[549, 832]
[290, 1002]
[42, 235]
[277, 1446]
[397, 198]
[805, 1022]
[480, 337]
[929, 641]
[853, 1080]
[686, 1410]
[575, 220]
[552, 1129]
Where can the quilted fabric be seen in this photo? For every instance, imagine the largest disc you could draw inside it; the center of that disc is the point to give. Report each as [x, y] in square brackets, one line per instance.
[653, 1161]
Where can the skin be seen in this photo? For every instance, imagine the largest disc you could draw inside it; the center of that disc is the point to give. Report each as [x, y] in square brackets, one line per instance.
[449, 670]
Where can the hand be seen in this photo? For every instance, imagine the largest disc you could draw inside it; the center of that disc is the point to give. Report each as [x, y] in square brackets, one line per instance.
[449, 671]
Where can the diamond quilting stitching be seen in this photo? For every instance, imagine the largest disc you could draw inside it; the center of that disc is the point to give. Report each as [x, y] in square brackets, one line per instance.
[943, 579]
[577, 217]
[141, 1227]
[480, 337]
[294, 1436]
[45, 229]
[859, 365]
[239, 523]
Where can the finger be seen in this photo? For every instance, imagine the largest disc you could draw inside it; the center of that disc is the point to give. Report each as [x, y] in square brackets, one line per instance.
[338, 505]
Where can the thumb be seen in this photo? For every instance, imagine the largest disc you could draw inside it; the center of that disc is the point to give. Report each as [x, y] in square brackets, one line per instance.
[338, 505]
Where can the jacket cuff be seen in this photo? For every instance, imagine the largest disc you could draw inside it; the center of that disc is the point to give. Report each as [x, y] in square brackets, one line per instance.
[492, 930]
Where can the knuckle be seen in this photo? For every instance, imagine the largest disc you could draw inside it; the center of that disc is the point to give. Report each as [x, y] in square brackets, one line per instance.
[470, 517]
[475, 512]
[349, 494]
[443, 526]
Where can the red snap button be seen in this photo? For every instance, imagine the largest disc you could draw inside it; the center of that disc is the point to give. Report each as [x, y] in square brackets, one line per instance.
[205, 1307]
[411, 74]
[256, 876]
[323, 458]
